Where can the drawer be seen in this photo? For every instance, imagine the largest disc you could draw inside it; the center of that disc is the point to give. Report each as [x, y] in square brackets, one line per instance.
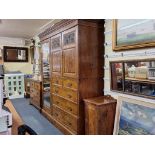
[66, 105]
[71, 107]
[58, 101]
[70, 121]
[58, 114]
[66, 119]
[70, 94]
[56, 80]
[69, 83]
[32, 84]
[37, 86]
[56, 90]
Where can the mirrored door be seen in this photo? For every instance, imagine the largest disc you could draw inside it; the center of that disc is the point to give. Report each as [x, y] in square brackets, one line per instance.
[46, 74]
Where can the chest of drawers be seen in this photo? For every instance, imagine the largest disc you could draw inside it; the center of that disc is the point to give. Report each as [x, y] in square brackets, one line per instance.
[36, 93]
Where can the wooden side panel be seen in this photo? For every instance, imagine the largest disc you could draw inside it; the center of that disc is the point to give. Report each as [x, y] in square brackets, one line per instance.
[91, 51]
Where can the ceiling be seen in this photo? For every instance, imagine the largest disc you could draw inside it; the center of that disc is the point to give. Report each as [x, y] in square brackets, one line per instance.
[22, 28]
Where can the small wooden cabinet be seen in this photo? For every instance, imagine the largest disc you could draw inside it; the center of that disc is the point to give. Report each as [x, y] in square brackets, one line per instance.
[36, 93]
[100, 115]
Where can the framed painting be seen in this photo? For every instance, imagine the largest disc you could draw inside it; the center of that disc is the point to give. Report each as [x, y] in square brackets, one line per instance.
[133, 33]
[134, 117]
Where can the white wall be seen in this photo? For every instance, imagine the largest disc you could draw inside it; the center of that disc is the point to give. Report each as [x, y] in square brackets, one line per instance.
[110, 55]
[16, 66]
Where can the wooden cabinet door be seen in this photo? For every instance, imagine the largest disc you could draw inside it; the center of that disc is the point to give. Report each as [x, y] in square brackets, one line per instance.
[70, 53]
[56, 55]
[56, 42]
[70, 60]
[69, 38]
[56, 63]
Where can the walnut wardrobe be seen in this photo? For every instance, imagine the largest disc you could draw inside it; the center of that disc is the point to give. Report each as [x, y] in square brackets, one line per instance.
[76, 70]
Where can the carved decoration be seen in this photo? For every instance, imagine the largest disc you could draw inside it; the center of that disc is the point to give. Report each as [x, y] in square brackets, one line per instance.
[56, 27]
[69, 38]
[55, 43]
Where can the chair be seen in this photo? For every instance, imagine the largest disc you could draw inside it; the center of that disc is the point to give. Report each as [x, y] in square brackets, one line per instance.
[23, 129]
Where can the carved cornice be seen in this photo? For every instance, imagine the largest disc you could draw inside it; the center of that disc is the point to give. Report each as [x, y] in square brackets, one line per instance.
[56, 27]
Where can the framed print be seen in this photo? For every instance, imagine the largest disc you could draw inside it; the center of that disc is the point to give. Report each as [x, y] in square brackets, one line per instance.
[134, 117]
[133, 33]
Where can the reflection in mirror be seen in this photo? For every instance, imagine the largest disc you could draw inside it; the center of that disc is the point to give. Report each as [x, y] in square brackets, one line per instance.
[46, 74]
[15, 54]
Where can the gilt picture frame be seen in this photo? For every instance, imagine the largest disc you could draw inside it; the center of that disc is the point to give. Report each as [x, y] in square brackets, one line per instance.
[134, 117]
[132, 33]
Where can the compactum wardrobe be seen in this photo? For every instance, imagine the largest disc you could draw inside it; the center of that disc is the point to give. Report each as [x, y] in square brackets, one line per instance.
[76, 66]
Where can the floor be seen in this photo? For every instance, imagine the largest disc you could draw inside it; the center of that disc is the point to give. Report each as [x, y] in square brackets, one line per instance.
[33, 118]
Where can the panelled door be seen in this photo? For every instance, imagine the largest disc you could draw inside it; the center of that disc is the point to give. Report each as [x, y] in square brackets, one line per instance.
[56, 55]
[70, 53]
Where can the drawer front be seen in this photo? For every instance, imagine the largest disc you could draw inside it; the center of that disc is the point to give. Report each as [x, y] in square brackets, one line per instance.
[56, 80]
[70, 121]
[69, 83]
[71, 107]
[66, 105]
[56, 90]
[32, 84]
[58, 101]
[37, 86]
[70, 95]
[66, 119]
[58, 114]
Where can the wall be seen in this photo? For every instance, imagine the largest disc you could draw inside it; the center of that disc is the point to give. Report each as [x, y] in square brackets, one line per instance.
[11, 66]
[110, 55]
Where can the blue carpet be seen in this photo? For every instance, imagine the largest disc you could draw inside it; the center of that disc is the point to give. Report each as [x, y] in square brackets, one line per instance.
[32, 117]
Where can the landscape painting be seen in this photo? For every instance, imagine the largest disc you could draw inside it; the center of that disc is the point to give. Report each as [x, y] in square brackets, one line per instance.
[132, 33]
[135, 119]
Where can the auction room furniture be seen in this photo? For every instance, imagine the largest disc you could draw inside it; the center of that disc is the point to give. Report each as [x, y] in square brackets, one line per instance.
[45, 70]
[135, 77]
[36, 93]
[100, 115]
[76, 70]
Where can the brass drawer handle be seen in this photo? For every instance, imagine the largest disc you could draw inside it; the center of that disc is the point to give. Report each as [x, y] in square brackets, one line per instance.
[57, 102]
[56, 91]
[69, 108]
[69, 96]
[56, 114]
[69, 123]
[69, 84]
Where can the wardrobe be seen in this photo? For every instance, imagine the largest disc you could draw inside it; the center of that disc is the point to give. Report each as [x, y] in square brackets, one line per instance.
[76, 70]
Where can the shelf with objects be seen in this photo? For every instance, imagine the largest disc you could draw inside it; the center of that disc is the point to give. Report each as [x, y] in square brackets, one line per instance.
[135, 77]
[45, 72]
